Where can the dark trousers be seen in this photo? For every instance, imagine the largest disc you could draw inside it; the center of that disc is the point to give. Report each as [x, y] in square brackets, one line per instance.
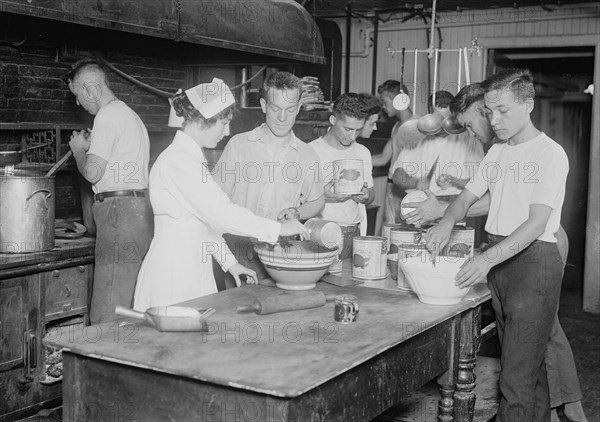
[525, 293]
[124, 230]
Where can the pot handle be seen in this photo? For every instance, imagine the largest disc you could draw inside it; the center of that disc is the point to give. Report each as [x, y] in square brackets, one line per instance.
[48, 196]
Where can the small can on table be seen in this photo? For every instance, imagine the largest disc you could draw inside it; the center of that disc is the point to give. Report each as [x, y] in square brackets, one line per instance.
[346, 308]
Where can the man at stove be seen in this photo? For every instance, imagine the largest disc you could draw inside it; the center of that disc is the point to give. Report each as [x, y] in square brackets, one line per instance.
[114, 159]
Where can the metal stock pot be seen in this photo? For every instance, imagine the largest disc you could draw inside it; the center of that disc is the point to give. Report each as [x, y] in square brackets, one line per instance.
[26, 212]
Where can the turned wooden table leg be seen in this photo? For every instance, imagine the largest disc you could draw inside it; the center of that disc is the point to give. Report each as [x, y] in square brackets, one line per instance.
[447, 380]
[464, 396]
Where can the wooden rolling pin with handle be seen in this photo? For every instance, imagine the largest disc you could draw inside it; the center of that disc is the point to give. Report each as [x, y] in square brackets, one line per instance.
[286, 302]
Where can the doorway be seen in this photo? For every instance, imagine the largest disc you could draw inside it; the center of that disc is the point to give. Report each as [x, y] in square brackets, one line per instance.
[564, 112]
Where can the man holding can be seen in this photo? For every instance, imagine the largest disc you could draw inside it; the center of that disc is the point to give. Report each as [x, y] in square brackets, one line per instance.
[339, 143]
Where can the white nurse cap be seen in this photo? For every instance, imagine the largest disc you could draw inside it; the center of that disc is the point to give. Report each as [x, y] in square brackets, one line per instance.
[210, 98]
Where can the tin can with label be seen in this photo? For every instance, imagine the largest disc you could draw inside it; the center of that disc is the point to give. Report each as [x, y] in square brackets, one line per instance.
[345, 309]
[386, 229]
[325, 233]
[369, 259]
[404, 236]
[348, 176]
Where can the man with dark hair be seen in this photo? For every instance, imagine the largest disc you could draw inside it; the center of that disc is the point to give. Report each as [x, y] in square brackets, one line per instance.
[268, 169]
[523, 265]
[442, 103]
[440, 164]
[348, 118]
[404, 135]
[114, 159]
[469, 107]
[374, 107]
[408, 136]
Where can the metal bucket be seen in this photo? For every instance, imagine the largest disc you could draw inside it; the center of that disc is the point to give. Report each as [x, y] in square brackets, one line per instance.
[369, 260]
[26, 212]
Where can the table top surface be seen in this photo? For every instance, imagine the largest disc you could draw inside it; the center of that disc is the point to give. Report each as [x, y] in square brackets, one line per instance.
[283, 354]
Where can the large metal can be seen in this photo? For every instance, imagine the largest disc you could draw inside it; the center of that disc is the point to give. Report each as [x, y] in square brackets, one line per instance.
[369, 259]
[26, 212]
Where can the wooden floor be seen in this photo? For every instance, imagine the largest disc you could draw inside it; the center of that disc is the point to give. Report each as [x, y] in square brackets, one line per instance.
[422, 405]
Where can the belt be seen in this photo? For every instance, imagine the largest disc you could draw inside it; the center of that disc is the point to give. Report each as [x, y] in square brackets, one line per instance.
[136, 193]
[350, 229]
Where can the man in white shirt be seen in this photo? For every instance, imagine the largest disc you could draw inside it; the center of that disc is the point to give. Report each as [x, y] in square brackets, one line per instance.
[348, 118]
[525, 177]
[114, 159]
[269, 170]
[404, 135]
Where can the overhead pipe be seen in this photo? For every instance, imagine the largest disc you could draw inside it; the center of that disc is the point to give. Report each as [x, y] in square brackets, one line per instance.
[366, 36]
[375, 38]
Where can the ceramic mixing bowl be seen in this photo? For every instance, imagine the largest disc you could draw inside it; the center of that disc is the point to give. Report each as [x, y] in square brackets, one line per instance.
[434, 283]
[298, 265]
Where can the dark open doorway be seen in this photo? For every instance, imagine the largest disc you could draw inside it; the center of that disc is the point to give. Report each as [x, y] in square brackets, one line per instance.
[564, 112]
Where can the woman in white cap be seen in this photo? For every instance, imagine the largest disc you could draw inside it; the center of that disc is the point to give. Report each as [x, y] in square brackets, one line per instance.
[191, 211]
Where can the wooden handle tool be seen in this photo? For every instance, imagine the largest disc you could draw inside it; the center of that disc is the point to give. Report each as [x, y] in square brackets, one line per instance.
[286, 302]
[59, 164]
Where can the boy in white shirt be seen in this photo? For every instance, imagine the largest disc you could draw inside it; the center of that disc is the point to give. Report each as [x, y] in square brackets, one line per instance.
[348, 118]
[526, 178]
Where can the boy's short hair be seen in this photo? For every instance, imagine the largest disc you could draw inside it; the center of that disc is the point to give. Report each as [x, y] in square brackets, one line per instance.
[519, 81]
[372, 103]
[350, 105]
[466, 97]
[82, 65]
[281, 81]
[391, 87]
[442, 100]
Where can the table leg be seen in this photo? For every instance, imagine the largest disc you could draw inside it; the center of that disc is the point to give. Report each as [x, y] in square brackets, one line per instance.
[464, 397]
[448, 379]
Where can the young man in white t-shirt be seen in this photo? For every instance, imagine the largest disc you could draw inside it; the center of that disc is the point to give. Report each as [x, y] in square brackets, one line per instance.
[114, 159]
[526, 178]
[348, 118]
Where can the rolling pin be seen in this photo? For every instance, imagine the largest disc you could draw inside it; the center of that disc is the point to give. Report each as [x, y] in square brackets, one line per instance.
[286, 302]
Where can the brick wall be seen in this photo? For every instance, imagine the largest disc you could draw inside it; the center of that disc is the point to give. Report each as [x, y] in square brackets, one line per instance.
[32, 87]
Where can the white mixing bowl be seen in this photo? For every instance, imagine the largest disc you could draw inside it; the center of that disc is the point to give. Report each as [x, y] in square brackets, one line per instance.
[298, 266]
[434, 284]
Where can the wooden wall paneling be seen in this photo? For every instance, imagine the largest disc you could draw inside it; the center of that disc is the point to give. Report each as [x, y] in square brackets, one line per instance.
[511, 28]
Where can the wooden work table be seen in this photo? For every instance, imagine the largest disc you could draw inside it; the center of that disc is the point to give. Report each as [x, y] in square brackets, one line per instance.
[288, 366]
